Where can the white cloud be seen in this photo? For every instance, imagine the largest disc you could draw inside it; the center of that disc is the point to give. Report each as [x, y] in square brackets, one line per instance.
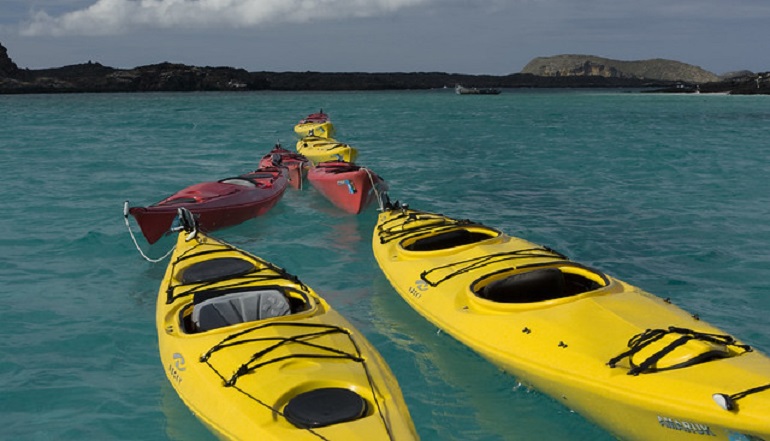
[110, 17]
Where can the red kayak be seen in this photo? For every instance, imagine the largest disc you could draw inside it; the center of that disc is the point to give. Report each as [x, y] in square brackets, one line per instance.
[319, 117]
[347, 185]
[294, 162]
[216, 204]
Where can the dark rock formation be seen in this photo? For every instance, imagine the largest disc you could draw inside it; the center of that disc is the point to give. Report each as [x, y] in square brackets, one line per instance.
[94, 77]
[7, 67]
[169, 77]
[588, 65]
[751, 84]
[747, 84]
[424, 80]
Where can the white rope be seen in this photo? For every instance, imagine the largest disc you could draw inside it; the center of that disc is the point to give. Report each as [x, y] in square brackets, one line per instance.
[376, 190]
[136, 244]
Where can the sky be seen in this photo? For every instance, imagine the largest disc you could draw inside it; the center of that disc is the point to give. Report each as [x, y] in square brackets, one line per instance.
[495, 37]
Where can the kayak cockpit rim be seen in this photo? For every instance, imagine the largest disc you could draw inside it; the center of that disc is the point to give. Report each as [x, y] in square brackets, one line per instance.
[541, 284]
[452, 238]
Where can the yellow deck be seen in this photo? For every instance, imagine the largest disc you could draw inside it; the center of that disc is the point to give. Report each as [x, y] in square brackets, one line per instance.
[323, 130]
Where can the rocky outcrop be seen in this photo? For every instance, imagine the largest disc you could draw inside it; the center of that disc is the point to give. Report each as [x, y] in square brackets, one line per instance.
[7, 67]
[589, 65]
[750, 84]
[746, 84]
[94, 77]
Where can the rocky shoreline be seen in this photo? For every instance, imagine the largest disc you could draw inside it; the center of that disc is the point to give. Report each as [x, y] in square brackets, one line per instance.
[169, 77]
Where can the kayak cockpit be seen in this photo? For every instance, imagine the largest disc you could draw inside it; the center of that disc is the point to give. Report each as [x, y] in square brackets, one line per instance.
[539, 284]
[243, 182]
[452, 238]
[218, 309]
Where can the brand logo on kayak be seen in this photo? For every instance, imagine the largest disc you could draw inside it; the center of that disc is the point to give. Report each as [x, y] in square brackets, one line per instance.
[179, 361]
[419, 287]
[176, 368]
[685, 426]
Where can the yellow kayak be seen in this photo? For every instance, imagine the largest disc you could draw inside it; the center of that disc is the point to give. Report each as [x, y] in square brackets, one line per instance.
[631, 362]
[318, 149]
[257, 355]
[315, 124]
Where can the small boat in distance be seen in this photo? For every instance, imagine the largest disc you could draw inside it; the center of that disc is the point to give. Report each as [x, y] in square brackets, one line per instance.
[460, 90]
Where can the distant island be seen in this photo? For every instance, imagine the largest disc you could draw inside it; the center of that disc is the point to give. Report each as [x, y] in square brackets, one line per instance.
[590, 65]
[563, 71]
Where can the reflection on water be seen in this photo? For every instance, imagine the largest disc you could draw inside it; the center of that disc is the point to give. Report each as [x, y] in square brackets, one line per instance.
[180, 423]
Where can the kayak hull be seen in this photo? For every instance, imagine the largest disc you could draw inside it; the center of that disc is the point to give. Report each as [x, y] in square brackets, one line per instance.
[492, 292]
[285, 375]
[216, 204]
[348, 186]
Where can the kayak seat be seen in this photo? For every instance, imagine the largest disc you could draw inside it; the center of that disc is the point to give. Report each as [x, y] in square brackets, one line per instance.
[239, 307]
[533, 286]
[243, 182]
[448, 239]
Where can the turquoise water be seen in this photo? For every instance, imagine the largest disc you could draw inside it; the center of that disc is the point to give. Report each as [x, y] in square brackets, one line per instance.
[667, 192]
